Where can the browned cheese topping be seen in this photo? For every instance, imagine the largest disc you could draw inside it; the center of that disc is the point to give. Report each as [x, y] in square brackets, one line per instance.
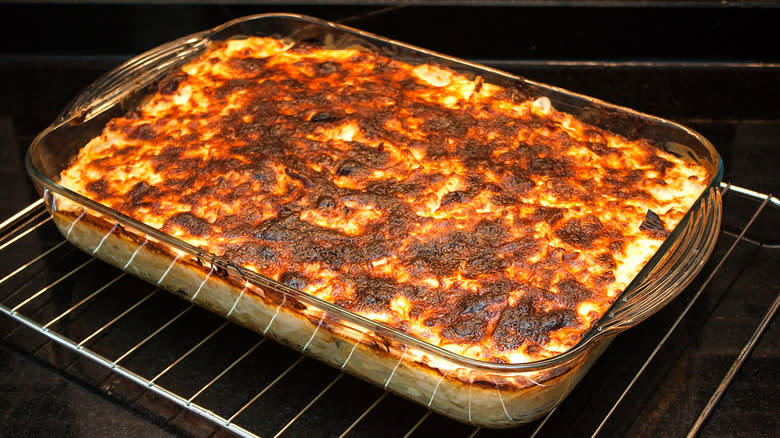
[471, 216]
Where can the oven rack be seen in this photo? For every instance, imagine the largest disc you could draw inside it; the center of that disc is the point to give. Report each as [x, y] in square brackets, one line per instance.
[35, 294]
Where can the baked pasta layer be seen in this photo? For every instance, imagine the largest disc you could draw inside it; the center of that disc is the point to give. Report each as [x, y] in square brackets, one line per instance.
[472, 216]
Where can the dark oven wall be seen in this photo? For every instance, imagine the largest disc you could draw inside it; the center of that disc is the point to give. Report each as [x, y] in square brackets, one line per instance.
[714, 66]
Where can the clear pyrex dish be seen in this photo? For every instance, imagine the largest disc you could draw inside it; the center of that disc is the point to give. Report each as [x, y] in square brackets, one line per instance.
[468, 390]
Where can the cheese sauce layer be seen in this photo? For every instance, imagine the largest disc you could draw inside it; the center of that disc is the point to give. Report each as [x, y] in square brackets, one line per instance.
[475, 217]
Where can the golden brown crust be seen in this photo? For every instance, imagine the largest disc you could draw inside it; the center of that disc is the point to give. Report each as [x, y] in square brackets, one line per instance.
[455, 210]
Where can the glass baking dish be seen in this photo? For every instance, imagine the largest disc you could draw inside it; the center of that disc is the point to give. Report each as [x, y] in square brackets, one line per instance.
[468, 390]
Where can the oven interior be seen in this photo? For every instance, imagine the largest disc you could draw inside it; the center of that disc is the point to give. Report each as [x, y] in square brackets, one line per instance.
[87, 350]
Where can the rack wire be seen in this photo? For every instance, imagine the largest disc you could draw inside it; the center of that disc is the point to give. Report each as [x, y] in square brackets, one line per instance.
[36, 300]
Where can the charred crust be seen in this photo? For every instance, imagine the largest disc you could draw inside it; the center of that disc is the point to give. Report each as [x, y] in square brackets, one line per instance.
[334, 255]
[279, 229]
[490, 232]
[230, 87]
[323, 117]
[518, 93]
[170, 84]
[574, 291]
[249, 252]
[248, 64]
[653, 225]
[348, 168]
[469, 327]
[293, 280]
[99, 188]
[615, 246]
[141, 191]
[606, 260]
[325, 202]
[328, 67]
[143, 131]
[517, 181]
[524, 323]
[521, 248]
[661, 164]
[190, 223]
[454, 197]
[557, 167]
[580, 232]
[471, 317]
[300, 177]
[599, 147]
[551, 215]
[373, 293]
[604, 279]
[484, 263]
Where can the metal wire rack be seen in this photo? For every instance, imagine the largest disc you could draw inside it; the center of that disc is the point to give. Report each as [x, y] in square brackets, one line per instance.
[236, 379]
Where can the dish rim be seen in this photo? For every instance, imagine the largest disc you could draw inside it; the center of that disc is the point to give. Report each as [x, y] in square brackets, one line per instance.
[93, 102]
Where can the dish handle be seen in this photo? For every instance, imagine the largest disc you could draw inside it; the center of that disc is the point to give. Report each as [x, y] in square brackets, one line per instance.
[140, 70]
[672, 276]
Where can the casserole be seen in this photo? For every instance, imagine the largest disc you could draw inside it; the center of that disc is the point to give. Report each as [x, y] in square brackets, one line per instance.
[489, 394]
